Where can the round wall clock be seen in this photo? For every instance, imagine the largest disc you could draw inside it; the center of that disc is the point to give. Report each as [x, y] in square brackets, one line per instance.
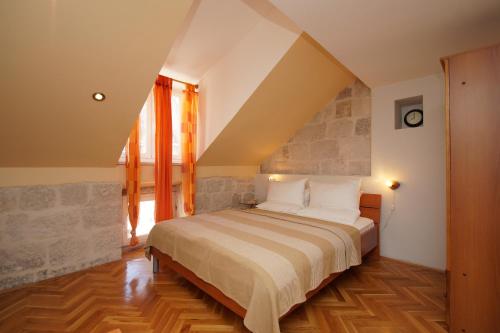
[414, 118]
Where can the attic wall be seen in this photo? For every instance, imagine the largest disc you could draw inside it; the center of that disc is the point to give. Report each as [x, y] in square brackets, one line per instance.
[52, 176]
[302, 83]
[226, 87]
[337, 141]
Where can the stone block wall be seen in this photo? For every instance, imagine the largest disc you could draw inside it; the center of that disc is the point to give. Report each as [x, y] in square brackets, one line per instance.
[216, 193]
[337, 141]
[47, 231]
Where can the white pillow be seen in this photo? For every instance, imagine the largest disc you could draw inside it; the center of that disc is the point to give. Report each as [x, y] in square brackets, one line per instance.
[335, 195]
[287, 192]
[344, 216]
[279, 207]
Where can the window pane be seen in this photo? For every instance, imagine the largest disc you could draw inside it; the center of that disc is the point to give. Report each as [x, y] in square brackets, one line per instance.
[144, 129]
[147, 129]
[123, 154]
[176, 126]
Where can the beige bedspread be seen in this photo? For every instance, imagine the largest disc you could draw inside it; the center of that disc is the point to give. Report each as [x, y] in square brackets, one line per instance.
[264, 261]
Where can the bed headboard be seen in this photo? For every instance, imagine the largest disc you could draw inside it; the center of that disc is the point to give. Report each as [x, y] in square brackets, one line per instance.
[370, 204]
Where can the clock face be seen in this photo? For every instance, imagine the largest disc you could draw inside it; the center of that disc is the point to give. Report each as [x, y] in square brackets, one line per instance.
[414, 118]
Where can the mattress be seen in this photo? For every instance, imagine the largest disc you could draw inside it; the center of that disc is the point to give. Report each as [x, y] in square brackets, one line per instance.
[363, 224]
[368, 232]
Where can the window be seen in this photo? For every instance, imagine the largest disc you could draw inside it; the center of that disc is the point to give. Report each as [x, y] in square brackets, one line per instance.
[147, 150]
[146, 217]
[147, 128]
[147, 214]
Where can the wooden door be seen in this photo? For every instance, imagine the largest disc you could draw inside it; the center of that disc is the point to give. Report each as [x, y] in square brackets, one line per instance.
[474, 82]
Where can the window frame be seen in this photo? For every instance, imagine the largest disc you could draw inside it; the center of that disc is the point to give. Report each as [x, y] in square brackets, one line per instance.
[148, 107]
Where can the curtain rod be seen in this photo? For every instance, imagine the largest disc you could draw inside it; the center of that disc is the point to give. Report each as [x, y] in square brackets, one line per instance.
[195, 85]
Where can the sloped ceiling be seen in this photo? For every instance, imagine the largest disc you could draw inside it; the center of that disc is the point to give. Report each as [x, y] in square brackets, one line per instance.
[304, 80]
[213, 28]
[226, 87]
[56, 54]
[386, 41]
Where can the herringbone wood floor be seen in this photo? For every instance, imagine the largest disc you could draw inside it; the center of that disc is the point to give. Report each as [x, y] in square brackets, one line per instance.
[379, 296]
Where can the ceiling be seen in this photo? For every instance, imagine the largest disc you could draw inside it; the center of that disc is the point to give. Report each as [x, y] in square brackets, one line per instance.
[56, 54]
[211, 30]
[386, 41]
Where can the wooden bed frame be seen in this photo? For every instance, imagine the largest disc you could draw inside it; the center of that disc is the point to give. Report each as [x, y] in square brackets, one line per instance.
[369, 206]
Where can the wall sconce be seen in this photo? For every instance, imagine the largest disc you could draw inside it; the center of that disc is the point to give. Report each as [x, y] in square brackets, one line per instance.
[392, 184]
[272, 178]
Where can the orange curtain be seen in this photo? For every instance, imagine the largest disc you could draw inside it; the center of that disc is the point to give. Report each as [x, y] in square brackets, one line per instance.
[163, 149]
[188, 146]
[133, 168]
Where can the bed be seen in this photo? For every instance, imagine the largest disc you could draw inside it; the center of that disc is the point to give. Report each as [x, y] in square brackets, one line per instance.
[262, 264]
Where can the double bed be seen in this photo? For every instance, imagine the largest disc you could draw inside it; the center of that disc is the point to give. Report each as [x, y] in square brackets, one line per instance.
[263, 264]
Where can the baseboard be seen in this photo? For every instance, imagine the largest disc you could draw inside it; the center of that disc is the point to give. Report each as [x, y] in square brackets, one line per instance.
[128, 248]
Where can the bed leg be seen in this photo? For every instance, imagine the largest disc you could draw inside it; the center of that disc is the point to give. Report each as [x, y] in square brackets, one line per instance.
[156, 265]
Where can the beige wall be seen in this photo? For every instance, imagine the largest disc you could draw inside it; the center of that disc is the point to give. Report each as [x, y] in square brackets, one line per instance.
[148, 177]
[56, 54]
[51, 176]
[230, 82]
[147, 174]
[415, 231]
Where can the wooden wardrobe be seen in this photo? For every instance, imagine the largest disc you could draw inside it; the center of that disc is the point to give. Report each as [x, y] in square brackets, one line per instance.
[473, 181]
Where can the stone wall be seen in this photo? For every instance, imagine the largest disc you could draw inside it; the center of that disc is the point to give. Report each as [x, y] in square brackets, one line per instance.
[335, 142]
[216, 193]
[47, 231]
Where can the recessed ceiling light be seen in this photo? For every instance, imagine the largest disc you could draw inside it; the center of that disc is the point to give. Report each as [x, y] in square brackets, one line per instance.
[98, 96]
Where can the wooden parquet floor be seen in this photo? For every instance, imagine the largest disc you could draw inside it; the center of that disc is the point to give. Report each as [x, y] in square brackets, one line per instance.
[379, 296]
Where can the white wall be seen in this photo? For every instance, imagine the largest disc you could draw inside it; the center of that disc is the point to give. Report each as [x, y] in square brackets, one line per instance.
[416, 157]
[229, 83]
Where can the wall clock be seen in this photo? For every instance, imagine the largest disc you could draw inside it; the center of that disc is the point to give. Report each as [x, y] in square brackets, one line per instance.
[414, 118]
